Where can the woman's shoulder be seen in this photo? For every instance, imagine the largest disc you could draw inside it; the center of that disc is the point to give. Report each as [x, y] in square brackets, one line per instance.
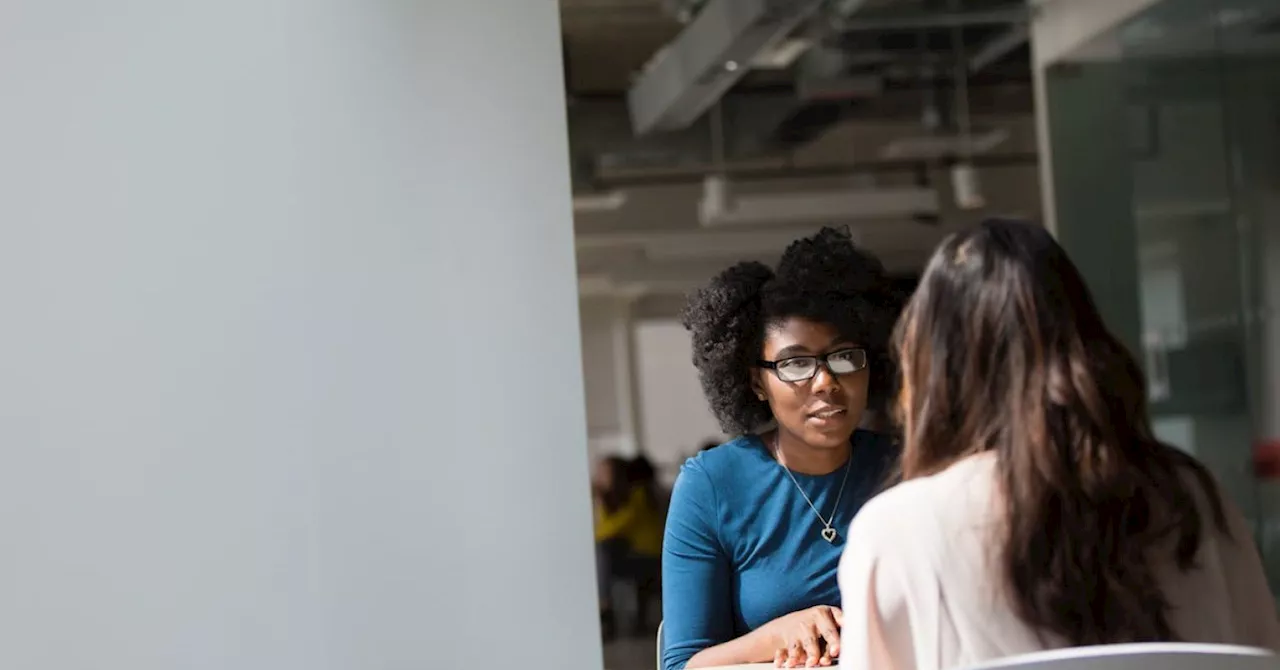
[726, 469]
[729, 458]
[960, 493]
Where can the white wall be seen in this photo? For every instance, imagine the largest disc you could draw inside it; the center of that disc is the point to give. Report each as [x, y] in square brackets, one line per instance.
[675, 419]
[288, 297]
[599, 375]
[609, 376]
[642, 389]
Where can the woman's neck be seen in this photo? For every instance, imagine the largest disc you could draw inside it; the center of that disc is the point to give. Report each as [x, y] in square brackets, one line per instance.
[796, 456]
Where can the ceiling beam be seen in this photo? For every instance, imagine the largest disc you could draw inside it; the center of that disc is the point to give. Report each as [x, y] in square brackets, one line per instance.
[696, 175]
[934, 20]
[999, 47]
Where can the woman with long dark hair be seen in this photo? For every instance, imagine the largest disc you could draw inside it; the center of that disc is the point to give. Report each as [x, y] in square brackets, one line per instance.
[1038, 508]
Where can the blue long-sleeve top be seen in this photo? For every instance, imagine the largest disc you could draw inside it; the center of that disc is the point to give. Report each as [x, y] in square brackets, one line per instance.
[742, 547]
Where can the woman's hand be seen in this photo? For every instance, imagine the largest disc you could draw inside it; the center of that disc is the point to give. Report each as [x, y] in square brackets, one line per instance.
[808, 638]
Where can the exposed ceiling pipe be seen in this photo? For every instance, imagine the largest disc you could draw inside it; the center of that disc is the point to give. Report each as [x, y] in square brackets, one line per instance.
[846, 7]
[683, 10]
[964, 119]
[603, 147]
[747, 173]
[934, 20]
[931, 116]
[965, 184]
[1000, 46]
[601, 139]
[822, 95]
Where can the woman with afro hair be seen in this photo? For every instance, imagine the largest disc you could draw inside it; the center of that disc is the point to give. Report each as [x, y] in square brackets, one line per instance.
[789, 361]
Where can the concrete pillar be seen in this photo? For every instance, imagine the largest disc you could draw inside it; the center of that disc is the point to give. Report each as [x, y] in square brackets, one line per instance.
[288, 297]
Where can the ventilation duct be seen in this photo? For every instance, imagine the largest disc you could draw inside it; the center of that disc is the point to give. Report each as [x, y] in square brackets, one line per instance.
[712, 53]
[600, 135]
[683, 10]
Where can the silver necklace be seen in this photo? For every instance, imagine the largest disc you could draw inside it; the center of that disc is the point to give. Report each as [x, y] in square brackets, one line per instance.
[828, 532]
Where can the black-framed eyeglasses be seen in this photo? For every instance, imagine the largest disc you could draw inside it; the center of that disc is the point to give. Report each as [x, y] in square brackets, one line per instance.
[802, 368]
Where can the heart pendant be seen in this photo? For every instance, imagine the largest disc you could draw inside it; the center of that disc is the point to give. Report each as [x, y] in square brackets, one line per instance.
[829, 534]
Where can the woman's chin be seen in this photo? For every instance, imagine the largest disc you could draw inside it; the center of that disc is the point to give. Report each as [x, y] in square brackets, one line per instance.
[828, 434]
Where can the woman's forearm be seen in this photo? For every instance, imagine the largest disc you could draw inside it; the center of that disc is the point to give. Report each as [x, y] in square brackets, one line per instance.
[754, 647]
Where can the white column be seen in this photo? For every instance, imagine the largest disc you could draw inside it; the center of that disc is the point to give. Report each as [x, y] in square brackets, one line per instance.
[288, 299]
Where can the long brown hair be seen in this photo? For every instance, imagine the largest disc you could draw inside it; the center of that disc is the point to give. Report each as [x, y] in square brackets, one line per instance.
[1002, 349]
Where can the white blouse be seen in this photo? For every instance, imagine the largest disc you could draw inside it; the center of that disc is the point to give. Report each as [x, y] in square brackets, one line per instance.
[919, 589]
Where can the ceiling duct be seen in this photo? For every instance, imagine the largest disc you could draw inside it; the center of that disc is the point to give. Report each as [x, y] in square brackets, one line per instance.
[708, 57]
[683, 10]
[825, 93]
[601, 140]
[720, 207]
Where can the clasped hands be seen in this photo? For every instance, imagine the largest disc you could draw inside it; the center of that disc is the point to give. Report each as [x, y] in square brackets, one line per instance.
[809, 638]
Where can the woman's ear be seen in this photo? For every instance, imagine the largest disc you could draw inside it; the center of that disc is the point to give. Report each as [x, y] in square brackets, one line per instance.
[757, 385]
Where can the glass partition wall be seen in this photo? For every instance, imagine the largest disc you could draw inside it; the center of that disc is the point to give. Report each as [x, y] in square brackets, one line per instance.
[1165, 137]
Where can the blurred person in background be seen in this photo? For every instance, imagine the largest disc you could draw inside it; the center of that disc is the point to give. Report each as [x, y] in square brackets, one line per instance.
[1043, 512]
[645, 567]
[787, 360]
[643, 474]
[628, 535]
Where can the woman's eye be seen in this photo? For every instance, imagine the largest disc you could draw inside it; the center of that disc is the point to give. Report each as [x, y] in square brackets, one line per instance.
[794, 364]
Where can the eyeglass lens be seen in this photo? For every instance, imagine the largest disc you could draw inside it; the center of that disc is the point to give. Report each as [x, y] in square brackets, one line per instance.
[801, 368]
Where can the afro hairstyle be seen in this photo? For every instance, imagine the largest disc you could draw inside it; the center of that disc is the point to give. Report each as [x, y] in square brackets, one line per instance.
[824, 278]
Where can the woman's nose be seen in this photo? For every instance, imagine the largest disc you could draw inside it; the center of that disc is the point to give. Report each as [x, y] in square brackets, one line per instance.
[824, 380]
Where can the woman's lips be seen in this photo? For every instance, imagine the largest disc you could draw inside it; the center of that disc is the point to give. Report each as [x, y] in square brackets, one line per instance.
[830, 418]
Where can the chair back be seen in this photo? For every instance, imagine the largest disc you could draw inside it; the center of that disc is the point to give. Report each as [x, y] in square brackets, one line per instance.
[659, 645]
[1147, 656]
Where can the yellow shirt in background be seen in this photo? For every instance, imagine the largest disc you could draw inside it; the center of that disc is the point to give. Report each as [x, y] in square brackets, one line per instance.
[637, 522]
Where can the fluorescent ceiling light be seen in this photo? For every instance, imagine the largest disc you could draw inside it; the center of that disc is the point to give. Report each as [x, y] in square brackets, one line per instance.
[935, 147]
[721, 208]
[599, 202]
